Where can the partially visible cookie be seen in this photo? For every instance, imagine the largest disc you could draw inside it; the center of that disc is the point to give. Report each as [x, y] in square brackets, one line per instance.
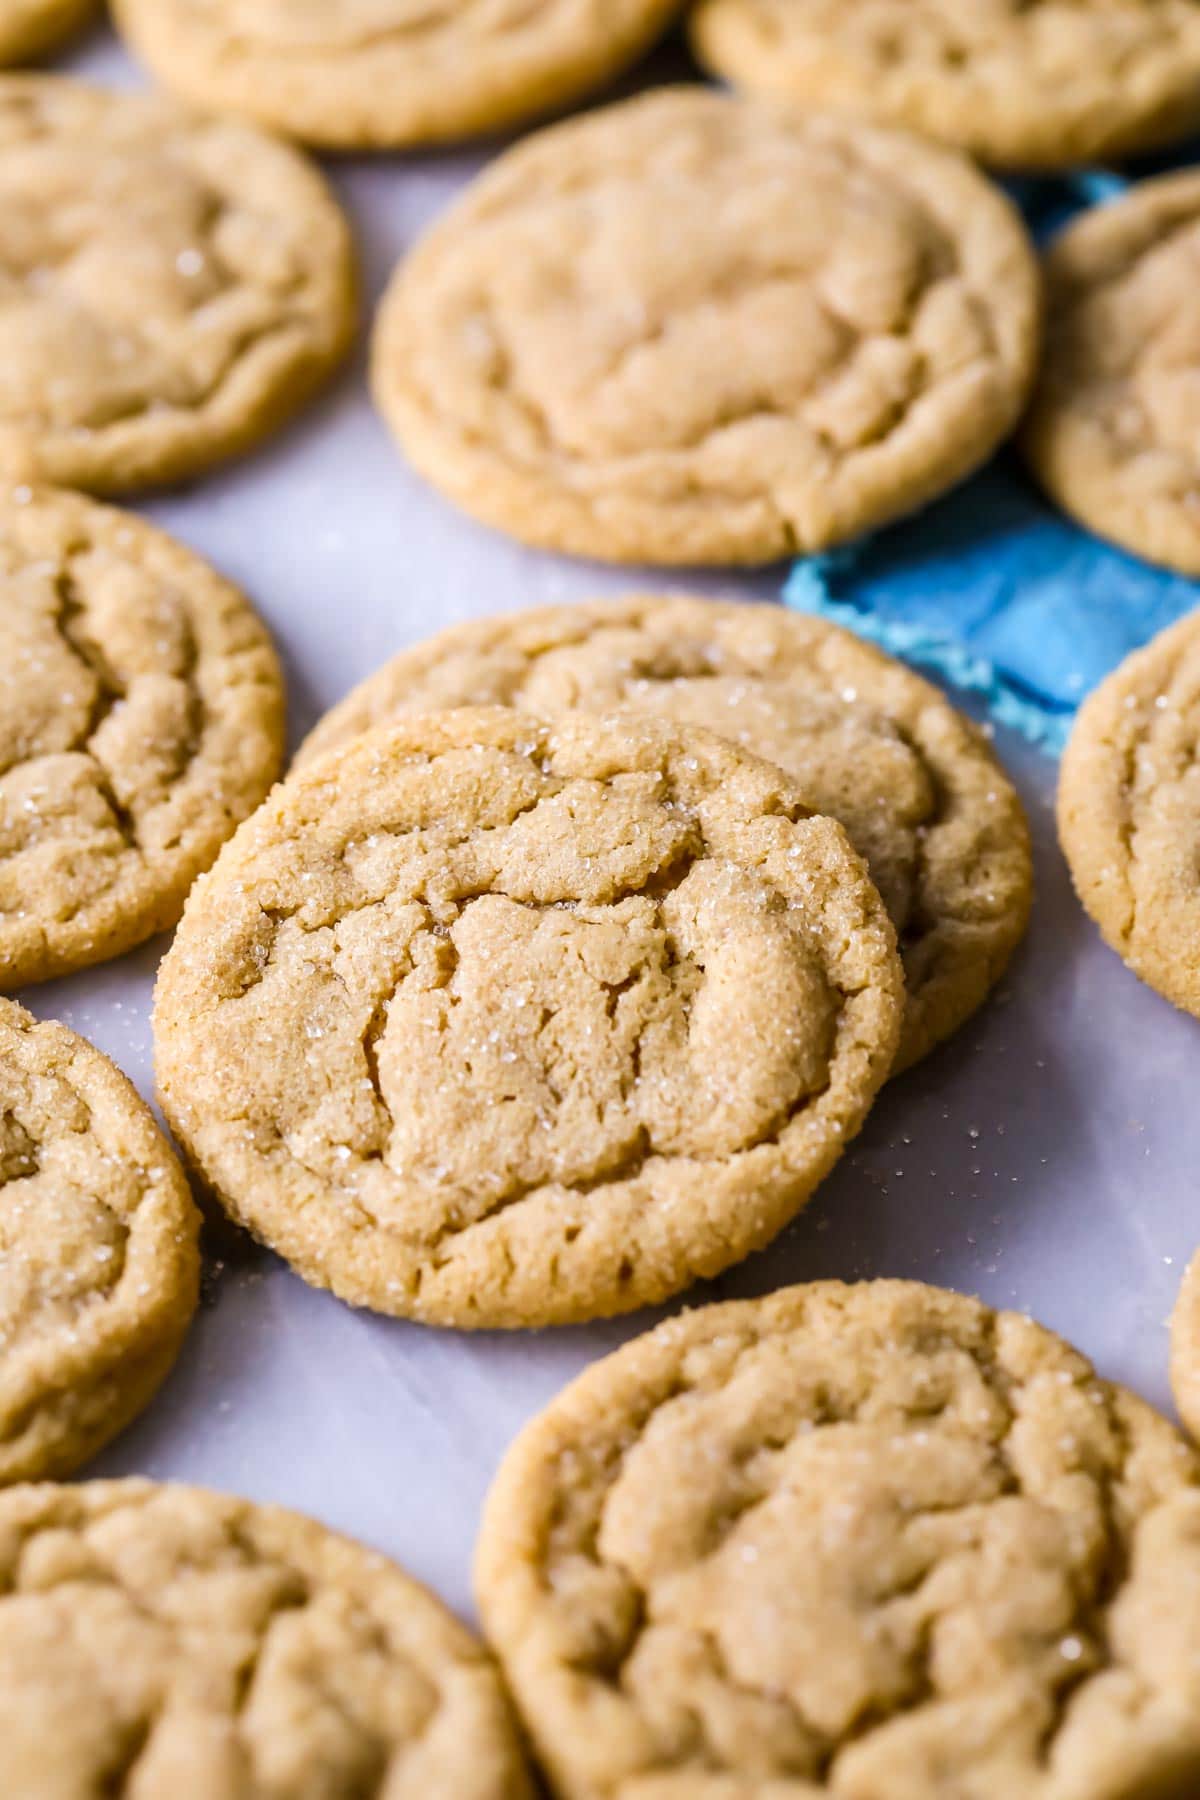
[874, 1542]
[173, 287]
[377, 74]
[1114, 431]
[1129, 811]
[692, 328]
[162, 1640]
[141, 718]
[1023, 83]
[29, 28]
[98, 1260]
[923, 798]
[1185, 1350]
[490, 1022]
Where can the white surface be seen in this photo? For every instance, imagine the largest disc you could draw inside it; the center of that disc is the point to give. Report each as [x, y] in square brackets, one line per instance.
[1046, 1159]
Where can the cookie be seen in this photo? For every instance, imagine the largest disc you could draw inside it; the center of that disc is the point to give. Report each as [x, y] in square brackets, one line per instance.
[1129, 812]
[1112, 433]
[691, 328]
[876, 1542]
[141, 718]
[1185, 1350]
[921, 795]
[98, 1260]
[1020, 83]
[378, 74]
[159, 1640]
[174, 287]
[489, 1022]
[29, 28]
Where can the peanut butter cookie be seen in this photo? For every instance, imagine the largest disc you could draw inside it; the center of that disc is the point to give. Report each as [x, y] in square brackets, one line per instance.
[1115, 426]
[876, 1542]
[159, 1641]
[98, 1259]
[374, 74]
[692, 328]
[1185, 1350]
[923, 798]
[490, 1022]
[29, 28]
[1022, 83]
[171, 288]
[141, 718]
[1129, 812]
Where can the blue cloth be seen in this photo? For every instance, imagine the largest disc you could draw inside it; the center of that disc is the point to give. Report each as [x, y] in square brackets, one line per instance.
[993, 589]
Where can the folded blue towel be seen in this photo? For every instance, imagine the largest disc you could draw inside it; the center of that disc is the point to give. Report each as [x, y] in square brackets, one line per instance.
[993, 589]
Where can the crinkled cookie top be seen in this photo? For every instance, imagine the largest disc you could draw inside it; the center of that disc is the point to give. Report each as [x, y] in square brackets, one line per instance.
[921, 795]
[1115, 424]
[692, 328]
[494, 1022]
[158, 1641]
[141, 718]
[1035, 83]
[875, 1542]
[98, 1258]
[170, 287]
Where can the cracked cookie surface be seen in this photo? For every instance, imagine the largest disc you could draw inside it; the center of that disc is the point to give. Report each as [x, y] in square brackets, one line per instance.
[29, 28]
[1113, 430]
[1129, 811]
[357, 74]
[1185, 1349]
[171, 288]
[876, 1542]
[161, 1640]
[98, 1259]
[491, 1022]
[1022, 83]
[691, 328]
[921, 795]
[141, 718]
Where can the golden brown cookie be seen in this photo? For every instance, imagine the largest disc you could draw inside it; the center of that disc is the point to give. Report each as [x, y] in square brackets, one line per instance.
[876, 1542]
[29, 28]
[98, 1260]
[692, 328]
[161, 1640]
[489, 1022]
[374, 74]
[922, 796]
[1129, 811]
[1114, 432]
[141, 718]
[1022, 83]
[173, 288]
[1185, 1350]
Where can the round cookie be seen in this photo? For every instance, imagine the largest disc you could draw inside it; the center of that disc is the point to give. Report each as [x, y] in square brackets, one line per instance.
[161, 1640]
[876, 1542]
[174, 287]
[1129, 811]
[1113, 430]
[691, 328]
[378, 74]
[98, 1260]
[490, 1022]
[141, 718]
[28, 28]
[921, 795]
[1185, 1350]
[1021, 83]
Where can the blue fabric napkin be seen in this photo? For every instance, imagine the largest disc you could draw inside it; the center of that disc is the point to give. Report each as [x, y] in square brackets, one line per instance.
[991, 587]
